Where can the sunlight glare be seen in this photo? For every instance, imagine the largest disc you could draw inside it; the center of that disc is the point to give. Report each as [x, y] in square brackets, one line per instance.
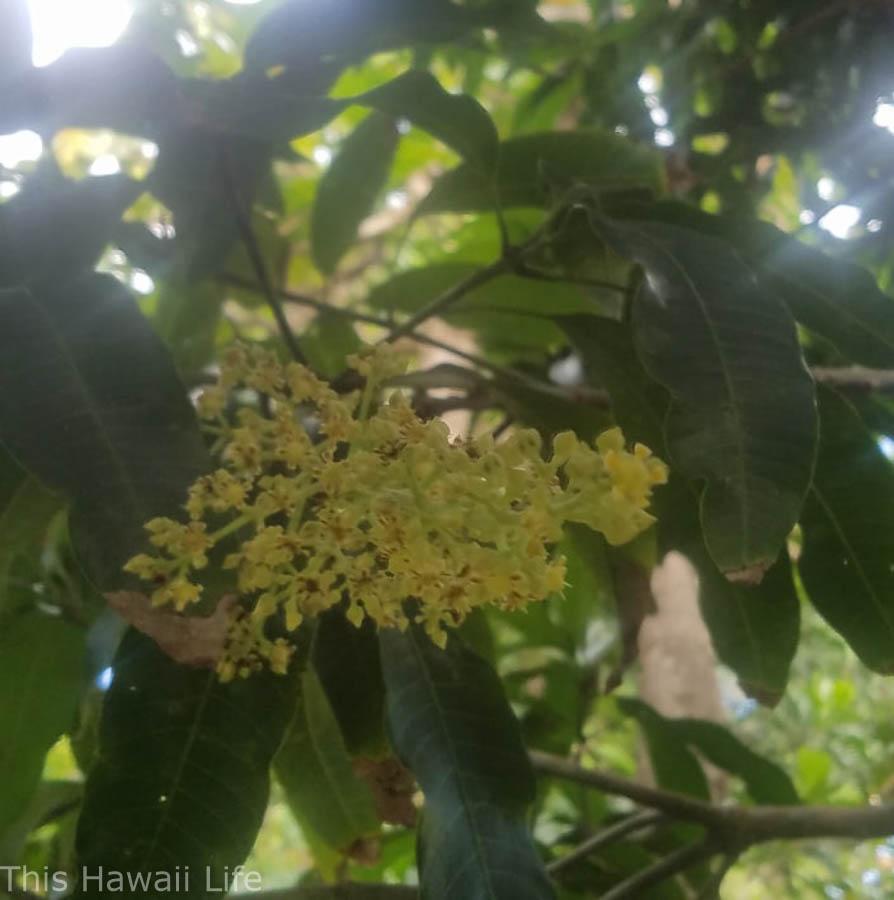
[59, 25]
[19, 147]
[839, 220]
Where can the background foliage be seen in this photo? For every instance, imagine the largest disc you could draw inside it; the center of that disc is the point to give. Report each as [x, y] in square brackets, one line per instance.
[667, 214]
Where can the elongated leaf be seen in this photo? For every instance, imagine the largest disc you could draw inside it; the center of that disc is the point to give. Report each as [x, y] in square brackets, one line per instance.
[766, 782]
[832, 297]
[458, 120]
[182, 772]
[348, 663]
[534, 167]
[332, 805]
[848, 526]
[453, 727]
[26, 509]
[54, 225]
[754, 629]
[299, 35]
[744, 417]
[104, 419]
[42, 662]
[348, 190]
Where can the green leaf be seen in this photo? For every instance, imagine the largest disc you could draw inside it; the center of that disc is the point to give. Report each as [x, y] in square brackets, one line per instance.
[58, 227]
[832, 297]
[327, 343]
[676, 767]
[743, 419]
[186, 317]
[348, 191]
[348, 663]
[848, 534]
[182, 772]
[754, 628]
[534, 167]
[26, 510]
[333, 806]
[302, 36]
[104, 420]
[458, 120]
[452, 725]
[42, 664]
[765, 781]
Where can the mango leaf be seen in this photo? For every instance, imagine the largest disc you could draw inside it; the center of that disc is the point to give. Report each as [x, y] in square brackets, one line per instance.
[834, 298]
[104, 420]
[348, 190]
[675, 766]
[452, 725]
[186, 317]
[458, 120]
[181, 777]
[848, 534]
[26, 509]
[743, 418]
[533, 168]
[301, 36]
[348, 663]
[754, 629]
[61, 226]
[42, 664]
[333, 806]
[765, 781]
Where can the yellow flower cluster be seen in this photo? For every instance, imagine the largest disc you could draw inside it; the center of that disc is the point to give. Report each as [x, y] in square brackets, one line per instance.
[379, 508]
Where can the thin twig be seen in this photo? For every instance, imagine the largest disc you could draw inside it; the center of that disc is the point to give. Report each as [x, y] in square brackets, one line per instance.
[855, 377]
[242, 217]
[610, 835]
[674, 864]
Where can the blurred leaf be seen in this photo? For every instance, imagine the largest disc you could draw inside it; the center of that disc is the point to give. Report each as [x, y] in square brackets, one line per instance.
[25, 514]
[332, 805]
[458, 120]
[535, 168]
[348, 664]
[124, 87]
[186, 317]
[57, 227]
[327, 343]
[41, 671]
[104, 419]
[765, 781]
[848, 534]
[300, 36]
[452, 725]
[744, 417]
[348, 190]
[182, 773]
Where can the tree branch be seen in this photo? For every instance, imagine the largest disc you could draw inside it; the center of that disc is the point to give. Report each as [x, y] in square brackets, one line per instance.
[856, 377]
[607, 836]
[344, 892]
[673, 864]
[734, 827]
[250, 241]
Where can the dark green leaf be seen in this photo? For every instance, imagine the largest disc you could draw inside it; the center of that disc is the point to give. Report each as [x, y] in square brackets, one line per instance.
[182, 775]
[848, 525]
[332, 805]
[186, 317]
[744, 417]
[104, 419]
[453, 727]
[676, 767]
[832, 297]
[765, 781]
[348, 663]
[348, 191]
[536, 167]
[42, 663]
[458, 120]
[58, 227]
